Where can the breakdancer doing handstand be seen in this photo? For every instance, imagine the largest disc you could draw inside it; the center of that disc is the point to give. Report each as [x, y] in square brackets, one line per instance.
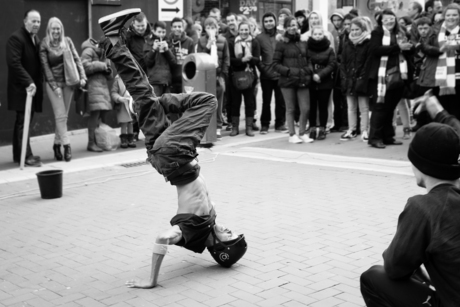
[171, 150]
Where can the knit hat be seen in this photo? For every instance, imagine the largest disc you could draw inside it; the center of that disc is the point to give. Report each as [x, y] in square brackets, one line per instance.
[285, 11]
[300, 13]
[435, 150]
[338, 14]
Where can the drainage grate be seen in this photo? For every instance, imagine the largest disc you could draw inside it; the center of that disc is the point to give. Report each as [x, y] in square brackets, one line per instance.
[134, 164]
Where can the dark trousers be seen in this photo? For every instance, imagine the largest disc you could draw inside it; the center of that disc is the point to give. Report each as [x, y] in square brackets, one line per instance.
[268, 87]
[249, 101]
[451, 103]
[318, 102]
[17, 136]
[229, 88]
[381, 127]
[170, 146]
[340, 109]
[380, 291]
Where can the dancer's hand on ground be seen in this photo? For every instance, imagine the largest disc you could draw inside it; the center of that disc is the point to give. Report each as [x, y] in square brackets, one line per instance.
[141, 284]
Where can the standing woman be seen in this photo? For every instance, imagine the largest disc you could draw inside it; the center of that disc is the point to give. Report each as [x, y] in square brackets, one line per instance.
[353, 72]
[247, 56]
[60, 94]
[291, 62]
[388, 72]
[323, 63]
[447, 76]
[99, 71]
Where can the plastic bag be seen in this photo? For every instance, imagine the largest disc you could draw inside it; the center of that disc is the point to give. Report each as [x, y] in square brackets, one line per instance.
[107, 138]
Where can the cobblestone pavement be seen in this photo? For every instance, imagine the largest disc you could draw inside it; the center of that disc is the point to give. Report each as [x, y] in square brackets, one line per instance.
[311, 230]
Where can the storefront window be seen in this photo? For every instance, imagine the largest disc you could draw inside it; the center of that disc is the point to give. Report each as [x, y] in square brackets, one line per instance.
[248, 8]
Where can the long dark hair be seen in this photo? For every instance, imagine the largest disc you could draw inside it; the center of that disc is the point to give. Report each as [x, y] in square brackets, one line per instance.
[379, 18]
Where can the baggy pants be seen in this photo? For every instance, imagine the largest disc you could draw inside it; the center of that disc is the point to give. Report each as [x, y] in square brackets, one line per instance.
[169, 146]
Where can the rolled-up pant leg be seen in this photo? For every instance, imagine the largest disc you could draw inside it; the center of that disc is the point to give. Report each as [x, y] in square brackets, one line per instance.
[379, 290]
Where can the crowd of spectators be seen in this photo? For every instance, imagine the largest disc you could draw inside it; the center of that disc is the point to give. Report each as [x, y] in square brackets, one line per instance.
[352, 80]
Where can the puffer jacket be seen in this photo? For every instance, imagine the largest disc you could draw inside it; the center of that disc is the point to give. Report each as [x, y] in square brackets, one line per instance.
[98, 71]
[135, 43]
[159, 65]
[53, 63]
[323, 63]
[355, 59]
[180, 48]
[429, 47]
[292, 63]
[267, 42]
[223, 53]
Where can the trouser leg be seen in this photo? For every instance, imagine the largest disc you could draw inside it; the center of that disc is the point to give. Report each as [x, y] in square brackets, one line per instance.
[379, 290]
[303, 99]
[151, 116]
[313, 107]
[337, 98]
[230, 92]
[352, 102]
[249, 102]
[392, 99]
[323, 106]
[267, 91]
[17, 136]
[289, 95]
[220, 90]
[236, 103]
[280, 106]
[364, 110]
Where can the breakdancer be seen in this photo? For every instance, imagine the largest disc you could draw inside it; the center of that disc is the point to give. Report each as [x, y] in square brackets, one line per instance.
[171, 149]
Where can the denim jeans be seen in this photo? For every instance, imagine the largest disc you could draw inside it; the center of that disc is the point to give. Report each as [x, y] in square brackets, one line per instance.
[296, 96]
[220, 91]
[169, 146]
[404, 113]
[319, 101]
[353, 103]
[61, 106]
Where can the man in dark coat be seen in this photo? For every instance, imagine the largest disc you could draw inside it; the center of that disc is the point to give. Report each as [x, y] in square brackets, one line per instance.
[269, 77]
[24, 75]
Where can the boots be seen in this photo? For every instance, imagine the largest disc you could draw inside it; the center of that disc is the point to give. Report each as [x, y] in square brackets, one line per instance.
[124, 140]
[249, 127]
[67, 153]
[131, 143]
[92, 142]
[57, 152]
[235, 126]
[254, 126]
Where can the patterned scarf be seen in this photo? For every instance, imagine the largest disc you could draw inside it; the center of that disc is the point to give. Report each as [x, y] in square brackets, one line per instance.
[382, 73]
[243, 47]
[445, 70]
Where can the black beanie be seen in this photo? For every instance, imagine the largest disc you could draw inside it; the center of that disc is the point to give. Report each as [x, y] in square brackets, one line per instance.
[435, 150]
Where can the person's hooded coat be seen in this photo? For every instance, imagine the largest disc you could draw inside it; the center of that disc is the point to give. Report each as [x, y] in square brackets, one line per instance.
[431, 49]
[135, 43]
[267, 42]
[159, 64]
[291, 62]
[98, 71]
[354, 68]
[323, 62]
[304, 27]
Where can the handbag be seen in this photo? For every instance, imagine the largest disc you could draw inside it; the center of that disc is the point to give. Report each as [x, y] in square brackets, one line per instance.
[72, 77]
[393, 79]
[244, 79]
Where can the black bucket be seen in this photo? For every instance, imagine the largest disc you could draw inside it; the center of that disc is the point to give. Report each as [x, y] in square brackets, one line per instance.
[50, 183]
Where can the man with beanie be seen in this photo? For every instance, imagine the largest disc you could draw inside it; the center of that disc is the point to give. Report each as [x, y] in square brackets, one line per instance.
[269, 77]
[422, 264]
[171, 149]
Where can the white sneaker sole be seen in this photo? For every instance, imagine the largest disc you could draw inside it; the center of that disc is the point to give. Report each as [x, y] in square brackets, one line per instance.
[118, 14]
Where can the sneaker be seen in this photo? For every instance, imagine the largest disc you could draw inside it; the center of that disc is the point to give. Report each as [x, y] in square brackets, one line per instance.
[264, 130]
[295, 139]
[406, 135]
[349, 135]
[281, 129]
[312, 133]
[365, 136]
[305, 138]
[113, 23]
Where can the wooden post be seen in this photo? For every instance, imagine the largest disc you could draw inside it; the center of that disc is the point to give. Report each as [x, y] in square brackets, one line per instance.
[25, 134]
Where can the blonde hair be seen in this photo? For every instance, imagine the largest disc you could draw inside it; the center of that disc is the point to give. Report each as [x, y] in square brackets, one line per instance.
[317, 28]
[49, 37]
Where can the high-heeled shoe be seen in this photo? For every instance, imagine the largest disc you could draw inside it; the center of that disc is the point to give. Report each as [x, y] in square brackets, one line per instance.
[57, 152]
[67, 153]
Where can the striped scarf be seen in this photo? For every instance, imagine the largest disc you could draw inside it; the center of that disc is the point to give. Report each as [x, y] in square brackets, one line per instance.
[382, 73]
[445, 70]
